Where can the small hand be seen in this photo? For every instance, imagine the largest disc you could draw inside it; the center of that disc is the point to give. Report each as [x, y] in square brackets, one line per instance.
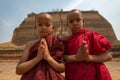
[46, 54]
[83, 52]
[40, 52]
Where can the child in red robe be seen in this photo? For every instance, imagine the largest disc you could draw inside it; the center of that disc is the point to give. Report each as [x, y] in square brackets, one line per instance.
[42, 59]
[85, 51]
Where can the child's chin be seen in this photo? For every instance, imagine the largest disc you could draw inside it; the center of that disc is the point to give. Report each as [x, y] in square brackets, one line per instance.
[75, 31]
[44, 36]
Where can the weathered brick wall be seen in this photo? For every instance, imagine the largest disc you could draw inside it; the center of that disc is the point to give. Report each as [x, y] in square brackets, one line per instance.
[93, 21]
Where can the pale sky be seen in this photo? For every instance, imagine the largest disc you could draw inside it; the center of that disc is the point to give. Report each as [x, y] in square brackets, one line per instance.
[13, 12]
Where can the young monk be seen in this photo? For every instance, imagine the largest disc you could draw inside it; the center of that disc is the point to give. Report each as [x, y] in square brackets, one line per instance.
[85, 51]
[42, 58]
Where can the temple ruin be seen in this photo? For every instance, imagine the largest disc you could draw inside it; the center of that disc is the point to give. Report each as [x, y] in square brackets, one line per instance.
[93, 21]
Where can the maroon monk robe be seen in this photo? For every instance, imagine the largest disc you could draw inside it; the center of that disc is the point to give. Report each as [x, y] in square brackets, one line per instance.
[97, 44]
[43, 71]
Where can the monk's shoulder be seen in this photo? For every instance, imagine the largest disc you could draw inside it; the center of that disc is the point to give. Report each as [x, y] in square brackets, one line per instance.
[30, 43]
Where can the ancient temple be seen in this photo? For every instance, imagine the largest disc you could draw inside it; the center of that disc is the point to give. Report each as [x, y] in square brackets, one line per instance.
[93, 21]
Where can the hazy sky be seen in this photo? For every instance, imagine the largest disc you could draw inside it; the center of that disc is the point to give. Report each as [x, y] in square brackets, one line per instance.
[13, 12]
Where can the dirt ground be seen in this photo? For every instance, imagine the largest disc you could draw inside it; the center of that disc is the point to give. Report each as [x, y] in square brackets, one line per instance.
[7, 70]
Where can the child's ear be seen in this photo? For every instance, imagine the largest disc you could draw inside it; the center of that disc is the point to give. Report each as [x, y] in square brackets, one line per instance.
[52, 28]
[66, 24]
[83, 21]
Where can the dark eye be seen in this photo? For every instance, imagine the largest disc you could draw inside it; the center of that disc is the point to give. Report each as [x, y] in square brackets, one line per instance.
[39, 24]
[70, 21]
[47, 25]
[78, 19]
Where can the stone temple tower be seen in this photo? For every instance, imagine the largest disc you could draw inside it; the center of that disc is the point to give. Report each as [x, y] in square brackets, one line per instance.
[93, 21]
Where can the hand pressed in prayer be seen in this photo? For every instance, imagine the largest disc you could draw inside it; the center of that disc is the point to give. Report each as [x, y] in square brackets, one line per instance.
[40, 51]
[46, 54]
[83, 52]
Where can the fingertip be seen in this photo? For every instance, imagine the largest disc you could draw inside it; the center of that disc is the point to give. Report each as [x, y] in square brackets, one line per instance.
[83, 41]
[43, 38]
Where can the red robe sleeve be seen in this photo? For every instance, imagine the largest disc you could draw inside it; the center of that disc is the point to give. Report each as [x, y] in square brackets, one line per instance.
[100, 43]
[57, 48]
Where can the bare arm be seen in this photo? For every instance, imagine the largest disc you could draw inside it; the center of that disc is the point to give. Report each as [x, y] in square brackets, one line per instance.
[106, 56]
[57, 66]
[24, 66]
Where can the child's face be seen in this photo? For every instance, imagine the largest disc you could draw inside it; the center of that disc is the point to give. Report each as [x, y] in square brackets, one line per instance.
[44, 25]
[75, 21]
